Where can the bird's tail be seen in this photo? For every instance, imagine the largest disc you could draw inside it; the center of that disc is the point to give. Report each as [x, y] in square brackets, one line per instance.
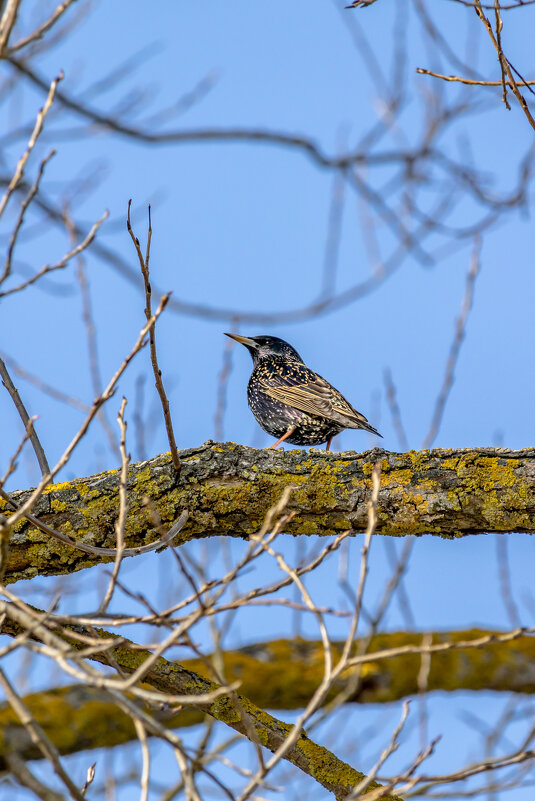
[367, 427]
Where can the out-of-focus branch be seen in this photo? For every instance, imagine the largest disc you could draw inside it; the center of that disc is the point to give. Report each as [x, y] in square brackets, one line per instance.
[60, 265]
[38, 127]
[38, 736]
[37, 493]
[283, 674]
[9, 17]
[228, 488]
[460, 328]
[40, 31]
[23, 208]
[170, 678]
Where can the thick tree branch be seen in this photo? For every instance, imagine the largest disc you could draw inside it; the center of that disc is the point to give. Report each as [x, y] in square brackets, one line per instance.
[228, 489]
[281, 674]
[244, 716]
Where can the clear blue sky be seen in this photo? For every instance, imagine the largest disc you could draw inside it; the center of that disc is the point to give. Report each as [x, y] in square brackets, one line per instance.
[244, 227]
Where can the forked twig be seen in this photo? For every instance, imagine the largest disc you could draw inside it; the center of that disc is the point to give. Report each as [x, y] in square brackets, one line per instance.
[144, 264]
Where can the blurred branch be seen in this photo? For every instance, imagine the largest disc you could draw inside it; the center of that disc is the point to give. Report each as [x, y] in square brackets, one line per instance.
[283, 674]
[38, 127]
[40, 31]
[109, 390]
[7, 22]
[170, 678]
[23, 208]
[442, 492]
[460, 329]
[60, 265]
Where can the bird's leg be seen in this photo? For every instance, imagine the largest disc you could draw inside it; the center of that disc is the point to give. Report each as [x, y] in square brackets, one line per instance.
[284, 436]
[328, 446]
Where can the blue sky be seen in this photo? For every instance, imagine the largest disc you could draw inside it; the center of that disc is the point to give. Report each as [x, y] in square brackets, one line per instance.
[243, 227]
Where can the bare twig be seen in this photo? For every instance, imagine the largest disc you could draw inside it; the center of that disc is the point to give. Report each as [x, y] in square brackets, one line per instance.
[87, 316]
[12, 465]
[24, 206]
[504, 63]
[38, 736]
[460, 328]
[144, 264]
[222, 382]
[38, 127]
[45, 26]
[9, 17]
[123, 508]
[25, 417]
[395, 411]
[26, 778]
[469, 81]
[43, 386]
[89, 778]
[49, 268]
[94, 550]
[97, 403]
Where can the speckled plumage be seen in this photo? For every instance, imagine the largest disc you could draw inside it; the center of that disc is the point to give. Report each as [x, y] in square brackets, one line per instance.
[292, 402]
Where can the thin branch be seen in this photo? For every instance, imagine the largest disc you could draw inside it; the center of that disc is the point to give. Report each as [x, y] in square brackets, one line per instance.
[123, 508]
[42, 386]
[504, 63]
[38, 736]
[26, 778]
[460, 328]
[395, 411]
[144, 264]
[468, 81]
[97, 403]
[25, 417]
[12, 465]
[24, 206]
[39, 32]
[49, 268]
[93, 550]
[9, 18]
[38, 127]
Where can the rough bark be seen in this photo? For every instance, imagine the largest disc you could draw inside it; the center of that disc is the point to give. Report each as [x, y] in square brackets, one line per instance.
[238, 712]
[228, 488]
[282, 674]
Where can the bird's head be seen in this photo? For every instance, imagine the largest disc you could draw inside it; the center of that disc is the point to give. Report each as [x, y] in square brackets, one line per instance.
[263, 347]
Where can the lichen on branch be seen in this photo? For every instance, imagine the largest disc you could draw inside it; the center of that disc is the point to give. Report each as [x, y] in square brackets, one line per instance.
[227, 490]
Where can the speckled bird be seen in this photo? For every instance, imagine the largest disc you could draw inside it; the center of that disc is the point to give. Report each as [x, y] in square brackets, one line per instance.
[292, 402]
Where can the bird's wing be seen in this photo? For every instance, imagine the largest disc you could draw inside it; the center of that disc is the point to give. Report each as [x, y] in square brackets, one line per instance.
[304, 389]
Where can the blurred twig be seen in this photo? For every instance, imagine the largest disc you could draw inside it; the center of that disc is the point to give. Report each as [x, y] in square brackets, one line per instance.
[460, 328]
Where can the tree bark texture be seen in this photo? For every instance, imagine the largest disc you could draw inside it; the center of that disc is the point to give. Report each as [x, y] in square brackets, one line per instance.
[282, 674]
[227, 490]
[236, 711]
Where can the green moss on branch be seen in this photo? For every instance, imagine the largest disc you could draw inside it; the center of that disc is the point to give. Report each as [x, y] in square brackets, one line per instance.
[228, 488]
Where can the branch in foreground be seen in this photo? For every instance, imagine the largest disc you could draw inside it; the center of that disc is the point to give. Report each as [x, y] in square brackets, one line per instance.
[171, 678]
[281, 674]
[228, 489]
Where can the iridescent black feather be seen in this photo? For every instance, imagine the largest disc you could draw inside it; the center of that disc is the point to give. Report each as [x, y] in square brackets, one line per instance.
[285, 394]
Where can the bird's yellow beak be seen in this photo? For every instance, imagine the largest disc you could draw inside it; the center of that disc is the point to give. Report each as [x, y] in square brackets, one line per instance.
[249, 343]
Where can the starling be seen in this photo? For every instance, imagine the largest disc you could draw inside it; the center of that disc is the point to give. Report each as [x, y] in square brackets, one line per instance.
[292, 402]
